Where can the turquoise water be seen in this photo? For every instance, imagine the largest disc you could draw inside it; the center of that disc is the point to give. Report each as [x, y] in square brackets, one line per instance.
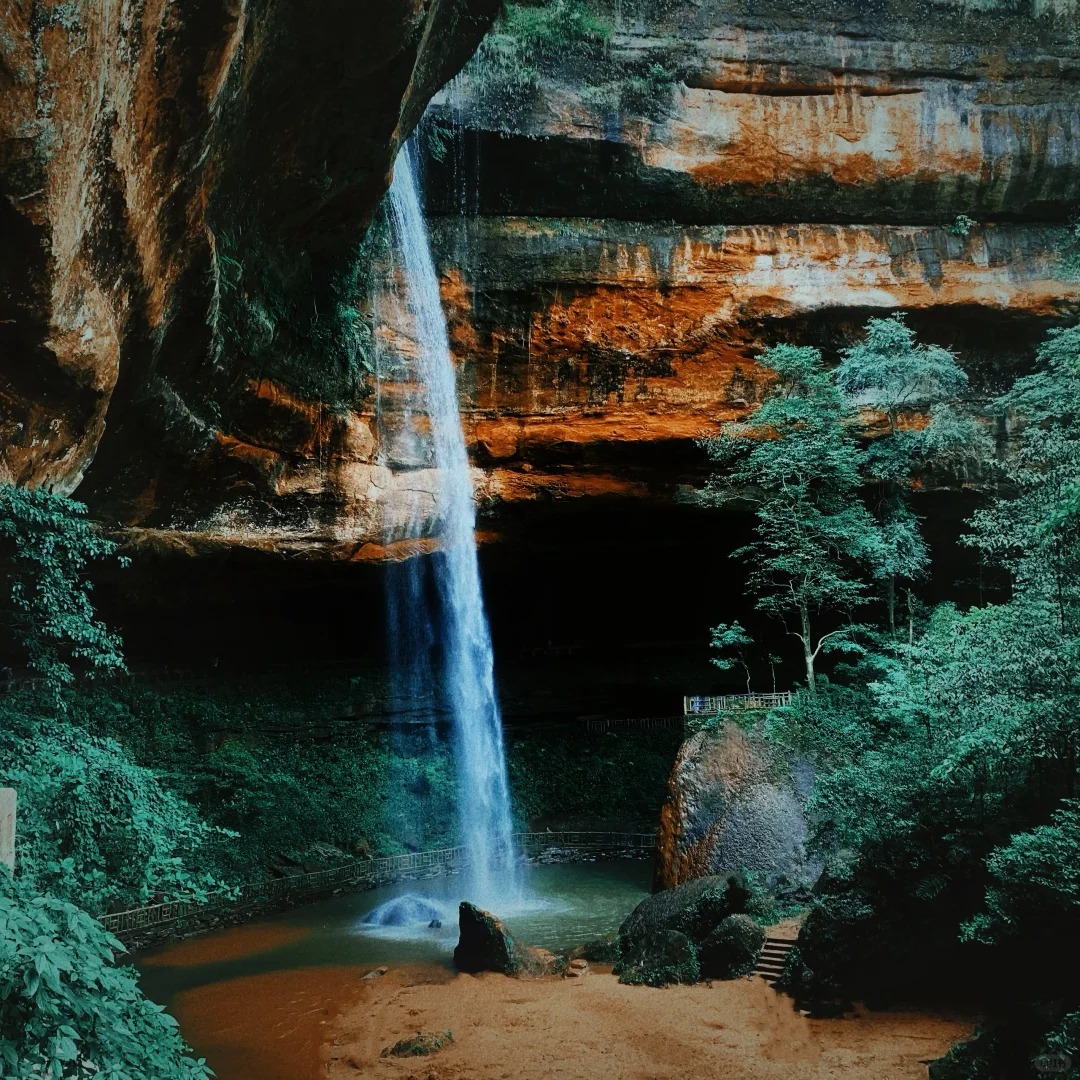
[574, 903]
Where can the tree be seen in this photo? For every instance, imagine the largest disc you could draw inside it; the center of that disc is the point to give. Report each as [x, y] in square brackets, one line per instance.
[732, 641]
[1033, 529]
[46, 545]
[797, 460]
[892, 373]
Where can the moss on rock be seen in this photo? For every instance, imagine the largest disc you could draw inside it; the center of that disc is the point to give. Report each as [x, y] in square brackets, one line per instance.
[419, 1045]
[732, 948]
[659, 958]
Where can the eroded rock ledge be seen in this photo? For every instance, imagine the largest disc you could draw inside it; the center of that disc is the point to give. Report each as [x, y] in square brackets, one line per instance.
[183, 192]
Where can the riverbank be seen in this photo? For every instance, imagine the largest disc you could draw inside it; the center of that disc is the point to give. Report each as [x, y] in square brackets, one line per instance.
[330, 1022]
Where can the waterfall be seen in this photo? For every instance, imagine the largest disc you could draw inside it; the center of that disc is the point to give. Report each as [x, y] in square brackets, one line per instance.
[440, 642]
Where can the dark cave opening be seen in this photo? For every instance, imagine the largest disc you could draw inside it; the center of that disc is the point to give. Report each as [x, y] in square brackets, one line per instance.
[598, 607]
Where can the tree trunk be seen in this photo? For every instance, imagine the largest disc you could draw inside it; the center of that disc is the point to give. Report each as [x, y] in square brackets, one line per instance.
[808, 649]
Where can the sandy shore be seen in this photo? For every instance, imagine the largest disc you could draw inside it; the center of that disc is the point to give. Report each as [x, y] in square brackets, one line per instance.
[319, 1022]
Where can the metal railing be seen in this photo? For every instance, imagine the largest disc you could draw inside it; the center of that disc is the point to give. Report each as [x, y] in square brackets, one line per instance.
[635, 723]
[366, 873]
[709, 706]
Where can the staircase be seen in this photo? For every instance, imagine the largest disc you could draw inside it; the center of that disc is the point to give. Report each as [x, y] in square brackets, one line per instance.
[774, 954]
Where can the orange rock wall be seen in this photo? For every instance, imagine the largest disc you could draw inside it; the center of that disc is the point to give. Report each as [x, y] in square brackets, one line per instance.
[614, 274]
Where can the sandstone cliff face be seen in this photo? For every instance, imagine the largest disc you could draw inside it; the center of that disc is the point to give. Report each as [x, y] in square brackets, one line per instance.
[790, 174]
[186, 320]
[147, 151]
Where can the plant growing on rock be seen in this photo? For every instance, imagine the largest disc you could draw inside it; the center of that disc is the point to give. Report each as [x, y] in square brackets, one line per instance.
[47, 544]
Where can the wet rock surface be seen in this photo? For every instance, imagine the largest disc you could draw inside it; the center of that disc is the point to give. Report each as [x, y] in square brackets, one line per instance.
[485, 944]
[730, 805]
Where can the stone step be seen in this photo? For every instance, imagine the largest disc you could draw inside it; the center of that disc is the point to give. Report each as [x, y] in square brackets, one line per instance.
[773, 958]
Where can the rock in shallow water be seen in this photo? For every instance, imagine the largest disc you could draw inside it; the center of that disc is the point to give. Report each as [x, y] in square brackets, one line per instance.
[484, 944]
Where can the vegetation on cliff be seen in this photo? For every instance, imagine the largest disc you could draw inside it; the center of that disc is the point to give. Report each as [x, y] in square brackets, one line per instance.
[802, 462]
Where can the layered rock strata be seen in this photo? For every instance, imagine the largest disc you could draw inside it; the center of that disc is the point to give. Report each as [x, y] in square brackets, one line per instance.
[187, 323]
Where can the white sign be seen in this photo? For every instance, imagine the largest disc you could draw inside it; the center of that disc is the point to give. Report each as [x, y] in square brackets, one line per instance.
[7, 826]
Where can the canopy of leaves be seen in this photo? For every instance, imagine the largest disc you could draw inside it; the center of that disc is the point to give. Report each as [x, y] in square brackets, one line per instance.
[949, 775]
[891, 371]
[797, 461]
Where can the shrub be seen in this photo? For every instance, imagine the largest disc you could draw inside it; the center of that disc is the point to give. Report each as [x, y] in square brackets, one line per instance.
[732, 948]
[93, 825]
[66, 1009]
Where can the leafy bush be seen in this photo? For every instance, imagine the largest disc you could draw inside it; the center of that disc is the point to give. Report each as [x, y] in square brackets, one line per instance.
[95, 827]
[949, 774]
[732, 948]
[46, 546]
[66, 1009]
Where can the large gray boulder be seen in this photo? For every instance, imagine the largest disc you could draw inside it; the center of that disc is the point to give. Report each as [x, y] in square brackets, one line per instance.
[484, 944]
[730, 806]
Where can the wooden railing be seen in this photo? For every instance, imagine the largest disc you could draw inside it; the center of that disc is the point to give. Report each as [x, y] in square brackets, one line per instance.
[365, 874]
[710, 706]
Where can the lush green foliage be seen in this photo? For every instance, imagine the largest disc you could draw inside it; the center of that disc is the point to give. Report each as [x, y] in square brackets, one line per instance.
[1032, 530]
[610, 776]
[278, 762]
[267, 324]
[46, 545]
[949, 773]
[94, 827]
[890, 372]
[733, 644]
[802, 460]
[66, 1009]
[569, 42]
[796, 459]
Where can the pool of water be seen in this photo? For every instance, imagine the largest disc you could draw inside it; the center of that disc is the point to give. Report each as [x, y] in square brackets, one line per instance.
[571, 904]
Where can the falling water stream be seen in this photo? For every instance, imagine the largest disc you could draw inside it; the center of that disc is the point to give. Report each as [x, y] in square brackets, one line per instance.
[440, 641]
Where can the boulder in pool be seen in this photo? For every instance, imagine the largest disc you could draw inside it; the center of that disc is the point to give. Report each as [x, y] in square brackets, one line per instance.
[484, 944]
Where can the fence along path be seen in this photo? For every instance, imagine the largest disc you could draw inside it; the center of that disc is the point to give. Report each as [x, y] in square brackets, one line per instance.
[366, 874]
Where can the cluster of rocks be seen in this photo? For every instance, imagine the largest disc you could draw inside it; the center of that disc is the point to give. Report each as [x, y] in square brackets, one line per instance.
[704, 929]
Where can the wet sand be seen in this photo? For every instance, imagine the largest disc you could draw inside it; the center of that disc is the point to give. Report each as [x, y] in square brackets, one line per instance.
[319, 1022]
